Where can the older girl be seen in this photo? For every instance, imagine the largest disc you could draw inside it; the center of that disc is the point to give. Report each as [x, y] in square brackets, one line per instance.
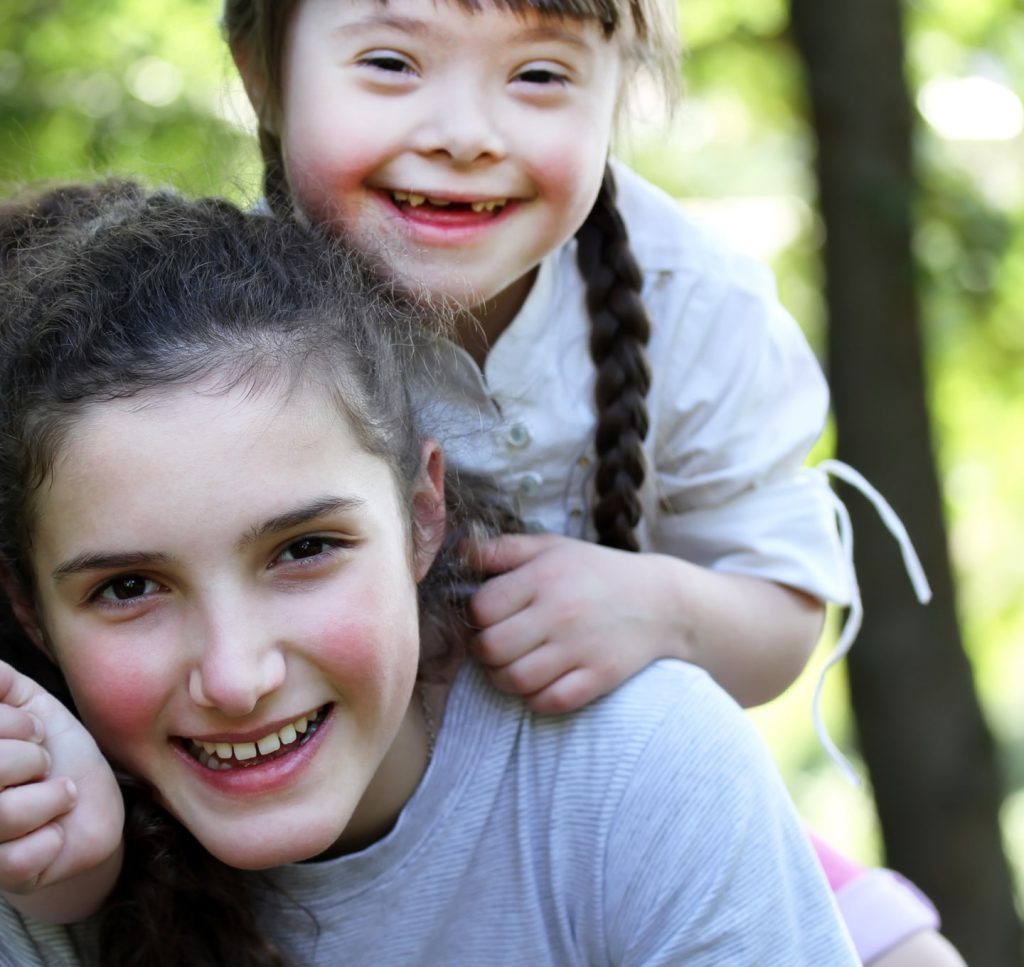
[220, 525]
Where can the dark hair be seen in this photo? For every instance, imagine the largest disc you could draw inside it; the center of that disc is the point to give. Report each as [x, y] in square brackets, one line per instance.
[108, 292]
[620, 326]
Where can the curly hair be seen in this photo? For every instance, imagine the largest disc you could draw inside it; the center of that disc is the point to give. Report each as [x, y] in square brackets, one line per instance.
[108, 291]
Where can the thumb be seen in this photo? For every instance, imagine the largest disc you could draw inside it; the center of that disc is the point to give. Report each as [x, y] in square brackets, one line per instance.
[510, 551]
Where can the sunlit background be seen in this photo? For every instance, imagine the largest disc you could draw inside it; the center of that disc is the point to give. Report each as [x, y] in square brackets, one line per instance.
[145, 87]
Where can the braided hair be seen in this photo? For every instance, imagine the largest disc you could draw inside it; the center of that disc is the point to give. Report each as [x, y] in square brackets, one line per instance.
[619, 331]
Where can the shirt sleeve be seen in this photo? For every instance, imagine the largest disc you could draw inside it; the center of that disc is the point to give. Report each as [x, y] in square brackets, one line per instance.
[30, 943]
[706, 862]
[740, 401]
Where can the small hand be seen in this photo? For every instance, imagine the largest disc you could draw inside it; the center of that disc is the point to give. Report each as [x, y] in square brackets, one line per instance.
[565, 621]
[61, 811]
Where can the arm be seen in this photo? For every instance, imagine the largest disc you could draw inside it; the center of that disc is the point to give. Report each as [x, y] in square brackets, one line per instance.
[61, 811]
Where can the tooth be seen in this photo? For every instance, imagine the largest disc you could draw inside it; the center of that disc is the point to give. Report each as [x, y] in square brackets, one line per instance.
[302, 725]
[288, 735]
[416, 200]
[244, 750]
[223, 750]
[479, 206]
[400, 195]
[439, 202]
[209, 747]
[269, 743]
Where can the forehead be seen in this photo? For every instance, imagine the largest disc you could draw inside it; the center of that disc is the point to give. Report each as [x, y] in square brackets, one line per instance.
[190, 452]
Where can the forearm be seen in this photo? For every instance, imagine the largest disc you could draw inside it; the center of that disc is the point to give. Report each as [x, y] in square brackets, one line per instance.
[73, 899]
[751, 635]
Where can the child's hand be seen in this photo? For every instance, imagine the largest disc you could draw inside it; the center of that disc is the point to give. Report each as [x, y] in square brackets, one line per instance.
[566, 621]
[61, 812]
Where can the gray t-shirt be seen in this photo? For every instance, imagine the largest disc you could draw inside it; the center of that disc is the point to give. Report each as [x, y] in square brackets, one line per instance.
[649, 828]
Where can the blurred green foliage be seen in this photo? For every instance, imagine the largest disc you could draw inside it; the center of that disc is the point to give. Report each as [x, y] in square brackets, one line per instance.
[146, 88]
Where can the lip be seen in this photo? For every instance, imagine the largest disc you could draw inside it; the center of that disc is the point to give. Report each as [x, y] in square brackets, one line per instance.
[266, 777]
[253, 735]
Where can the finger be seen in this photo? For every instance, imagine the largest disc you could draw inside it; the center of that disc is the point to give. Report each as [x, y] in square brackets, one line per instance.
[570, 692]
[22, 762]
[15, 689]
[510, 551]
[501, 597]
[24, 861]
[16, 723]
[24, 809]
[509, 639]
[534, 672]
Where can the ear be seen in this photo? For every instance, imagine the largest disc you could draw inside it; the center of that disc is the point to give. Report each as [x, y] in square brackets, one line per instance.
[428, 507]
[254, 77]
[24, 609]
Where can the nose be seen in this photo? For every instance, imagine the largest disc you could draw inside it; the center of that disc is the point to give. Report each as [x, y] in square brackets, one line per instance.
[239, 661]
[463, 126]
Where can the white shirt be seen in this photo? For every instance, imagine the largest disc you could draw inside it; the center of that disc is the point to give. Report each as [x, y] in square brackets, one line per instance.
[737, 401]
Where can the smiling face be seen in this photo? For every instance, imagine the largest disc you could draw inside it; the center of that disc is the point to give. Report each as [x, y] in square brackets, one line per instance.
[455, 147]
[227, 582]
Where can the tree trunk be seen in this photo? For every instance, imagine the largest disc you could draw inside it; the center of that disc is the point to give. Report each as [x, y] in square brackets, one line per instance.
[928, 750]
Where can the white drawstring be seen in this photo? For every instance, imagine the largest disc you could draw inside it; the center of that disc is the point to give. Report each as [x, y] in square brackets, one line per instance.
[856, 611]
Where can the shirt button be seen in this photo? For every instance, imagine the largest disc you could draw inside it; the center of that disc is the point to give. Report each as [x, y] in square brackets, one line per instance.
[518, 435]
[529, 483]
[576, 513]
[583, 463]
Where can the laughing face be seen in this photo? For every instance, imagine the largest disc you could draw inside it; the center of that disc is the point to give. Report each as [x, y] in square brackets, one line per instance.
[457, 148]
[227, 582]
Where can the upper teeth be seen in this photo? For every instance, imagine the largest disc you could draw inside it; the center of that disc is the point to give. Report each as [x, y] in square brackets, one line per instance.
[416, 200]
[271, 742]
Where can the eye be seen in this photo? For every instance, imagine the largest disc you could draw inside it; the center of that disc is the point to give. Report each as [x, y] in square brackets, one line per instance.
[542, 75]
[126, 587]
[386, 61]
[311, 548]
[306, 547]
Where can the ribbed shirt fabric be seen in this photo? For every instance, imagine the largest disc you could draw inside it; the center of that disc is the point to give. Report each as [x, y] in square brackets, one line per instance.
[650, 828]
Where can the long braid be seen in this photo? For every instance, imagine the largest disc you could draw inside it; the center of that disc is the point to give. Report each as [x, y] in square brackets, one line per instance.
[620, 330]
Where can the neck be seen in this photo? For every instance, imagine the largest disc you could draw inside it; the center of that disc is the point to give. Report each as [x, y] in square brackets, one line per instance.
[477, 329]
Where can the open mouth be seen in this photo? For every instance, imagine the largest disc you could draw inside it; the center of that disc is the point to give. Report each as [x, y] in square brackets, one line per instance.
[221, 756]
[408, 200]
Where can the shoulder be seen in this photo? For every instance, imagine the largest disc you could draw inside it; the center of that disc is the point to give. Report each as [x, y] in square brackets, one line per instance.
[668, 721]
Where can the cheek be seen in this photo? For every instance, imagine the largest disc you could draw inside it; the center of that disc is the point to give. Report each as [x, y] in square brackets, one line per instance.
[370, 651]
[118, 701]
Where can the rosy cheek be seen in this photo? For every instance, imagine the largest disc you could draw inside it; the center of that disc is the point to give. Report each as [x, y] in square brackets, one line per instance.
[117, 703]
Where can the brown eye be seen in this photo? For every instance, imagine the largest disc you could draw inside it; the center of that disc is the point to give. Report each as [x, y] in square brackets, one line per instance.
[127, 587]
[307, 547]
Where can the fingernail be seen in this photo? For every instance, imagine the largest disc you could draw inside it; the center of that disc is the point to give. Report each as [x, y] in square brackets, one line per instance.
[38, 730]
[71, 789]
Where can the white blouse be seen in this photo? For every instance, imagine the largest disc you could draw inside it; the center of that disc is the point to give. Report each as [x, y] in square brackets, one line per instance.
[736, 403]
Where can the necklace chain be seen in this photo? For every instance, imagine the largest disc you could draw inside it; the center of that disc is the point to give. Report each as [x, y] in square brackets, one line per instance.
[428, 720]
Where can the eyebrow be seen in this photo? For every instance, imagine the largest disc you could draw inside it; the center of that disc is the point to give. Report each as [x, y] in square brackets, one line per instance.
[411, 25]
[114, 560]
[307, 512]
[121, 560]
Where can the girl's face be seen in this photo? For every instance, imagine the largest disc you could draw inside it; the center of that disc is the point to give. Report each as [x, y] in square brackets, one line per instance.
[227, 584]
[458, 148]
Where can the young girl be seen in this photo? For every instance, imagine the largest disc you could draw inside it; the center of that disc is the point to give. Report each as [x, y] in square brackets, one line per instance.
[634, 385]
[218, 521]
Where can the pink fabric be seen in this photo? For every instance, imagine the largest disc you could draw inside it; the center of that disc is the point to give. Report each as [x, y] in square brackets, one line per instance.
[839, 869]
[880, 907]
